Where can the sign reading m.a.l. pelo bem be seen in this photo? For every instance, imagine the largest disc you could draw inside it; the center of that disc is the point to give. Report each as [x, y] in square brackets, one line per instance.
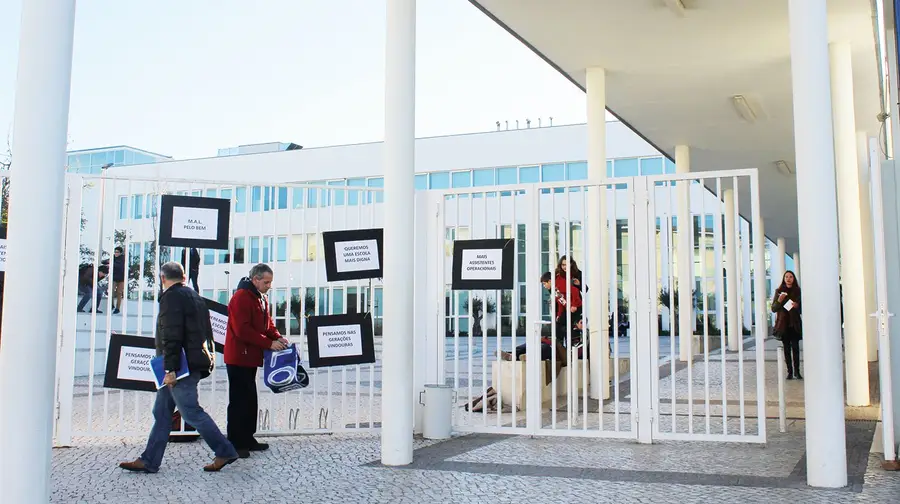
[191, 221]
[483, 264]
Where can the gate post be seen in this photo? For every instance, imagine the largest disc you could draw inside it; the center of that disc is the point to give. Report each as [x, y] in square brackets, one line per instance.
[65, 359]
[429, 269]
[533, 321]
[643, 365]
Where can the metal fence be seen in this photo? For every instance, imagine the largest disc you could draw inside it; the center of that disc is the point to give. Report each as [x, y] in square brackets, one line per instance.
[279, 225]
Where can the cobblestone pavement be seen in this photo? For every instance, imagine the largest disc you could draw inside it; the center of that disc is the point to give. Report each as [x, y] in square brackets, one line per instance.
[474, 468]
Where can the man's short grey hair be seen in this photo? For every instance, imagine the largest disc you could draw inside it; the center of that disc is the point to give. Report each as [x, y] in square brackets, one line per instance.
[172, 271]
[259, 270]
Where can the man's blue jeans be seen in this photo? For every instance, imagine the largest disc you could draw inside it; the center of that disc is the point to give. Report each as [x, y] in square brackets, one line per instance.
[183, 395]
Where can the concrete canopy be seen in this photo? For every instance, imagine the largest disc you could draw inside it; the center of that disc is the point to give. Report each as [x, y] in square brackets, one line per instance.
[671, 73]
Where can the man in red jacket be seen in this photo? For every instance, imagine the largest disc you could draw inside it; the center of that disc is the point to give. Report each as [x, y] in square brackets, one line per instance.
[250, 332]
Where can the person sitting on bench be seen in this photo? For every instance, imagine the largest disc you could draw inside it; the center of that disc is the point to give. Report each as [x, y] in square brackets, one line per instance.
[568, 299]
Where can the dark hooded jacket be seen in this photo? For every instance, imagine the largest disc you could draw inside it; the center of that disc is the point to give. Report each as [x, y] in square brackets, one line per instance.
[183, 323]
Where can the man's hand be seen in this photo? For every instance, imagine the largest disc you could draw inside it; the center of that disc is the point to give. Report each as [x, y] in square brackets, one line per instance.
[170, 379]
[284, 341]
[278, 346]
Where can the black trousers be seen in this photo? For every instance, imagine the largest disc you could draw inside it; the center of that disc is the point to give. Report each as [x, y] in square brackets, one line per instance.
[243, 407]
[193, 278]
[791, 345]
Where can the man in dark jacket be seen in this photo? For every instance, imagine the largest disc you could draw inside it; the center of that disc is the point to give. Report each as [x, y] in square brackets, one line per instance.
[193, 268]
[183, 325]
[86, 285]
[250, 332]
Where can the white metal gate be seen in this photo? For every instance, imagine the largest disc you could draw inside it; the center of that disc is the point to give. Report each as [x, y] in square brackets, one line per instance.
[654, 391]
[280, 225]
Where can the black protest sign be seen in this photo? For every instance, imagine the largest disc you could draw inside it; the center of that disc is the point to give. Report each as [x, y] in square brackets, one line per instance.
[190, 221]
[128, 363]
[218, 318]
[483, 264]
[340, 340]
[353, 254]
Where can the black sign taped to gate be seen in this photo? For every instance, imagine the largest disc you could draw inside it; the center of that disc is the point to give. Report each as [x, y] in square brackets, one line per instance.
[484, 264]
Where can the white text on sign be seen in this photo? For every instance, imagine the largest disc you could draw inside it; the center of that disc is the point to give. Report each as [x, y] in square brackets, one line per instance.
[357, 255]
[482, 264]
[219, 324]
[340, 341]
[195, 223]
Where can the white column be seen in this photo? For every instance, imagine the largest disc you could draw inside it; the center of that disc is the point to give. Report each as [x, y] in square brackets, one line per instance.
[598, 271]
[766, 282]
[731, 272]
[868, 244]
[685, 257]
[30, 321]
[849, 219]
[826, 452]
[780, 261]
[399, 207]
[796, 258]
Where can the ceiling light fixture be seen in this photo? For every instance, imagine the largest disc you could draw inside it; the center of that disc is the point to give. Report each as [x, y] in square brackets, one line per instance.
[743, 108]
[784, 168]
[676, 6]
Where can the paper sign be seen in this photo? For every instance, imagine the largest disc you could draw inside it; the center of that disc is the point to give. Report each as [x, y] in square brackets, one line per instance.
[218, 319]
[482, 264]
[354, 254]
[788, 305]
[195, 223]
[340, 341]
[2, 254]
[134, 363]
[359, 255]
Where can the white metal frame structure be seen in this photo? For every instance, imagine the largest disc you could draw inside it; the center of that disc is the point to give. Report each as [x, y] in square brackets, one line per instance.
[643, 211]
[344, 399]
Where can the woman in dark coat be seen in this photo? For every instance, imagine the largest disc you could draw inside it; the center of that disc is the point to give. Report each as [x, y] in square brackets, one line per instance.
[789, 323]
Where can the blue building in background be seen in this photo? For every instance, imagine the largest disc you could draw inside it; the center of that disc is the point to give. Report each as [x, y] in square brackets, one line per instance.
[92, 161]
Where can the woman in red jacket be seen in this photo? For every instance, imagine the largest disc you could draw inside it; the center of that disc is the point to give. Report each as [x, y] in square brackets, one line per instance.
[250, 332]
[568, 299]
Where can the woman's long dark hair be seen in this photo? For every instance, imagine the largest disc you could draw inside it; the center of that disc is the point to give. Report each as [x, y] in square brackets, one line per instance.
[573, 267]
[794, 289]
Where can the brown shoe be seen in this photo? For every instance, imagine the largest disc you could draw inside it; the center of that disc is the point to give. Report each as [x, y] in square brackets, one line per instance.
[136, 466]
[218, 463]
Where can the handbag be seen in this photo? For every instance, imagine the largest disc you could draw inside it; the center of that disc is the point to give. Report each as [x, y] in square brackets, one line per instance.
[282, 371]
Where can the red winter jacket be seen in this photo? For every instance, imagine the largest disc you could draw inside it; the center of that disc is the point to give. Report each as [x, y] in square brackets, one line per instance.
[250, 327]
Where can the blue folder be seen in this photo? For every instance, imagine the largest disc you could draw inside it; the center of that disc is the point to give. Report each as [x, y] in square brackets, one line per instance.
[157, 364]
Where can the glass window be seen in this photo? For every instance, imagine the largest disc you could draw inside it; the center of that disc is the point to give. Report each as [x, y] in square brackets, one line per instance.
[119, 157]
[421, 182]
[609, 170]
[197, 193]
[224, 256]
[553, 172]
[222, 297]
[577, 171]
[297, 250]
[255, 198]
[312, 198]
[209, 256]
[282, 198]
[123, 207]
[239, 250]
[461, 179]
[226, 193]
[151, 206]
[652, 166]
[626, 167]
[440, 180]
[670, 166]
[281, 250]
[129, 157]
[211, 193]
[507, 176]
[240, 199]
[268, 198]
[297, 200]
[98, 159]
[267, 249]
[311, 239]
[207, 293]
[338, 297]
[254, 250]
[379, 196]
[137, 206]
[484, 177]
[529, 175]
[339, 195]
[354, 196]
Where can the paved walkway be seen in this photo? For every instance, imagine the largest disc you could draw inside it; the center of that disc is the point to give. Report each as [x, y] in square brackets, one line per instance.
[475, 468]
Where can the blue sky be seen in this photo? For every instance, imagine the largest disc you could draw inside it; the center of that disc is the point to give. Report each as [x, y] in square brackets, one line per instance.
[184, 78]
